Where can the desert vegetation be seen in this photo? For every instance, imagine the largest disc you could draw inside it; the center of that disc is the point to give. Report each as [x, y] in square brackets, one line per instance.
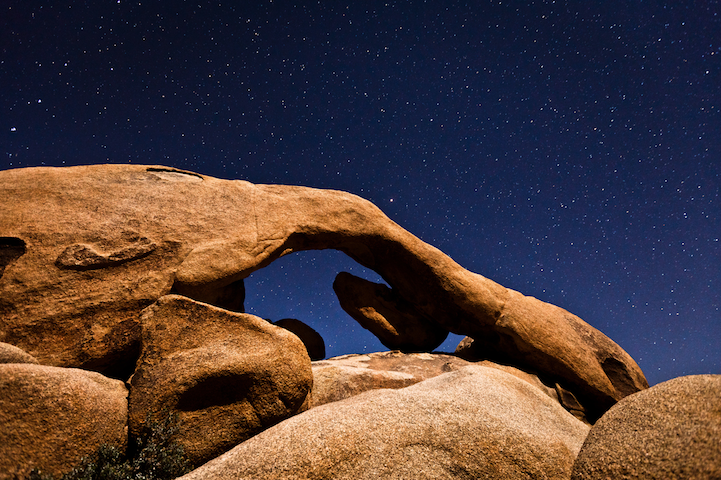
[152, 455]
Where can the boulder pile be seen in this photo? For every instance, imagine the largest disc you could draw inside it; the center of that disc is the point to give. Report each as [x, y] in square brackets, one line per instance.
[476, 422]
[122, 299]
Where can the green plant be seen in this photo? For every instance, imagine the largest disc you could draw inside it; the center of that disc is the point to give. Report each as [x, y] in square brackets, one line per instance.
[107, 463]
[152, 455]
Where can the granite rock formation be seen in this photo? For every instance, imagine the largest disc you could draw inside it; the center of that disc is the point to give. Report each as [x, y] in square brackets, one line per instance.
[85, 249]
[343, 377]
[227, 376]
[472, 351]
[476, 422]
[51, 417]
[671, 430]
[380, 310]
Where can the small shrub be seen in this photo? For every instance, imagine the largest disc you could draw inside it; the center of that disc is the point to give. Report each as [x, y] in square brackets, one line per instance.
[107, 463]
[152, 455]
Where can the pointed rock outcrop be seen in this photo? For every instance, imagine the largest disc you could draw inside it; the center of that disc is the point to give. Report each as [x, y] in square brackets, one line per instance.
[396, 323]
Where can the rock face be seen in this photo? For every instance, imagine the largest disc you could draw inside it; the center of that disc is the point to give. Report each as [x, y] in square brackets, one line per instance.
[311, 339]
[226, 375]
[671, 430]
[85, 249]
[13, 354]
[476, 422]
[396, 323]
[472, 351]
[51, 417]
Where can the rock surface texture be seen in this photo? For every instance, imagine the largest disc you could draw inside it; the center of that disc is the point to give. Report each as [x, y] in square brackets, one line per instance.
[477, 422]
[85, 249]
[227, 376]
[469, 349]
[670, 431]
[343, 377]
[13, 354]
[51, 417]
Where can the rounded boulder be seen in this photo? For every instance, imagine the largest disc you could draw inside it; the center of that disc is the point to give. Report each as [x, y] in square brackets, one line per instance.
[672, 430]
[311, 339]
[476, 422]
[226, 376]
[12, 354]
[52, 417]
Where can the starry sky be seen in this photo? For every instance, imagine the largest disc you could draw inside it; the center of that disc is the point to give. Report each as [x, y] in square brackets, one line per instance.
[570, 150]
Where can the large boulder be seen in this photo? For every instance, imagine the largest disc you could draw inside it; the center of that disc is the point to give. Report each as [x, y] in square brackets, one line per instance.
[227, 376]
[51, 417]
[85, 249]
[469, 349]
[476, 422]
[672, 430]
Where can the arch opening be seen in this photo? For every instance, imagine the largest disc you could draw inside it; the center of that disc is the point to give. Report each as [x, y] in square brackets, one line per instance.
[299, 286]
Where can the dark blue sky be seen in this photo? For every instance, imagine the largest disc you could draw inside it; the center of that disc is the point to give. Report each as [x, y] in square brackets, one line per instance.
[568, 150]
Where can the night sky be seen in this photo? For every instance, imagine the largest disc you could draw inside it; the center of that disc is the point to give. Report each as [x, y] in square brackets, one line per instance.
[567, 150]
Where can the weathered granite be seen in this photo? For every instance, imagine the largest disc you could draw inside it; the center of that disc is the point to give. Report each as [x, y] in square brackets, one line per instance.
[225, 375]
[476, 422]
[85, 249]
[670, 431]
[51, 417]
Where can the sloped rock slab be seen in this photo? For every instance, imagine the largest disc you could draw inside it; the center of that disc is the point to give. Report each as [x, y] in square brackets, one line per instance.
[342, 377]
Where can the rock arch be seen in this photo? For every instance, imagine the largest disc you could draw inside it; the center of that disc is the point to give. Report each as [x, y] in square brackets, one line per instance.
[147, 231]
